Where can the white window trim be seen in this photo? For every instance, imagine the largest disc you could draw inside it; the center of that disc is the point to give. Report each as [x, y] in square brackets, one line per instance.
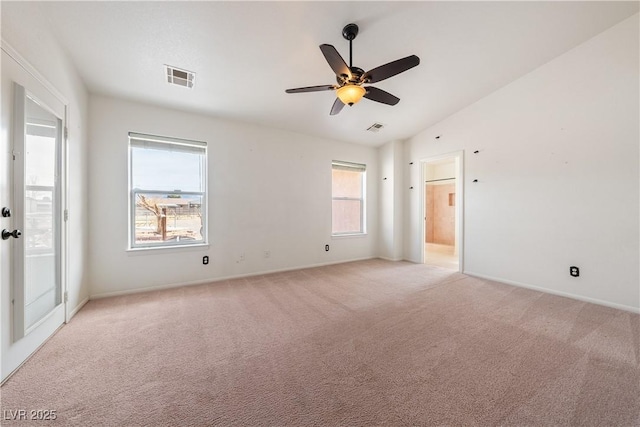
[136, 247]
[363, 209]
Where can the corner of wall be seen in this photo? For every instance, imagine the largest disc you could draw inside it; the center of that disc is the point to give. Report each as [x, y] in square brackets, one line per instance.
[390, 200]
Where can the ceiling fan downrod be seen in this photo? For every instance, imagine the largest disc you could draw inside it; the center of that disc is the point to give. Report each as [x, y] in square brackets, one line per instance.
[350, 53]
[349, 32]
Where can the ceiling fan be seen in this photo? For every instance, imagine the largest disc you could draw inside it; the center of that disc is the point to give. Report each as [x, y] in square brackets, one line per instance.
[351, 79]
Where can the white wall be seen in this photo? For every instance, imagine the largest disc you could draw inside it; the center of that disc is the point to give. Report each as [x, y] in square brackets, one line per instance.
[557, 171]
[268, 190]
[25, 29]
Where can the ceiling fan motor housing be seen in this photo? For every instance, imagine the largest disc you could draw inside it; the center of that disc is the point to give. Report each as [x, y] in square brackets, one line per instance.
[356, 74]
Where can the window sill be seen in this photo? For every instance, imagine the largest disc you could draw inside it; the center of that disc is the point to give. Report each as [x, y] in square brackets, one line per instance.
[176, 248]
[341, 236]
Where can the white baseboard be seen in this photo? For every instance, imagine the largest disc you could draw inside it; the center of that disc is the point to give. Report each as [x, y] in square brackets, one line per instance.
[77, 309]
[390, 259]
[218, 279]
[555, 292]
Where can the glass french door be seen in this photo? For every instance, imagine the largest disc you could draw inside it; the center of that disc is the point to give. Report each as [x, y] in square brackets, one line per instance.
[32, 183]
[37, 197]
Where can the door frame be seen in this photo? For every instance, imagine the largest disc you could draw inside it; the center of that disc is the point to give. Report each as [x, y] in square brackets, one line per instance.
[27, 73]
[458, 156]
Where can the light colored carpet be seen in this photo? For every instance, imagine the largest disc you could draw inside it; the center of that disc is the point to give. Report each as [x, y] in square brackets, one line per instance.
[364, 343]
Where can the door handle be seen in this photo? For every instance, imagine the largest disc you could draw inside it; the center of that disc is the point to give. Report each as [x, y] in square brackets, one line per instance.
[6, 212]
[15, 234]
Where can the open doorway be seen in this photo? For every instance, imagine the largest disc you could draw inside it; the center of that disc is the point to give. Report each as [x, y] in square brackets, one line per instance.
[442, 207]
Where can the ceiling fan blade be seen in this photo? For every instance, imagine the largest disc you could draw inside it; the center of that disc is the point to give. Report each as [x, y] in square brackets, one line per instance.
[335, 61]
[311, 89]
[337, 107]
[379, 95]
[391, 69]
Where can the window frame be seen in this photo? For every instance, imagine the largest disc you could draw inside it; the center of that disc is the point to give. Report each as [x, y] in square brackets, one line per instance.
[133, 193]
[362, 168]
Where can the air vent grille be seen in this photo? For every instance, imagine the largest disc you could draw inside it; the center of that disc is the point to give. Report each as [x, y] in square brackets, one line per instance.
[179, 77]
[376, 127]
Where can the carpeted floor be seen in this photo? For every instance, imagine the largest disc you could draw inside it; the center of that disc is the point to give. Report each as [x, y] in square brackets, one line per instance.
[357, 344]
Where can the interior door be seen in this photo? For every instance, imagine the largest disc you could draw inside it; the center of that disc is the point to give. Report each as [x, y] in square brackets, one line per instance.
[32, 303]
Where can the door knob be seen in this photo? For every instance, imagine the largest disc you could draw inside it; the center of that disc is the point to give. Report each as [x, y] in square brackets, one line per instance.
[15, 234]
[6, 212]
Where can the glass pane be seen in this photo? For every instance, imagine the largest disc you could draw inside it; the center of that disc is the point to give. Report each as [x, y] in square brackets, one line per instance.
[346, 216]
[162, 170]
[163, 219]
[346, 183]
[39, 220]
[41, 237]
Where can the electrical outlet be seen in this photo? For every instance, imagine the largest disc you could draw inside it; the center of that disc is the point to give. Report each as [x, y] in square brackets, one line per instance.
[326, 248]
[574, 271]
[205, 260]
[267, 254]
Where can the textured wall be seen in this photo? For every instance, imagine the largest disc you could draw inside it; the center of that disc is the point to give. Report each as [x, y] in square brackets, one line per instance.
[269, 190]
[557, 174]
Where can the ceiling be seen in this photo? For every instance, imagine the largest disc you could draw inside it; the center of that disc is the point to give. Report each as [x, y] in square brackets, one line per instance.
[245, 54]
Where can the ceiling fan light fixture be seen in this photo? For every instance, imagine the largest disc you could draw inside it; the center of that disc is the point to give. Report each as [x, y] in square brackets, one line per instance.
[350, 94]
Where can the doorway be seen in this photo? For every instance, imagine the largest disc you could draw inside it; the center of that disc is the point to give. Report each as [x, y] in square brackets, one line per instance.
[32, 198]
[442, 208]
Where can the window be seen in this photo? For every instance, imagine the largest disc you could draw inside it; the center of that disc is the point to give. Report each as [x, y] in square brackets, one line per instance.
[347, 188]
[167, 182]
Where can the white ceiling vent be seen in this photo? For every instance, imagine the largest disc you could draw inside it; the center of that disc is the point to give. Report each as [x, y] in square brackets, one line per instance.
[180, 77]
[376, 127]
